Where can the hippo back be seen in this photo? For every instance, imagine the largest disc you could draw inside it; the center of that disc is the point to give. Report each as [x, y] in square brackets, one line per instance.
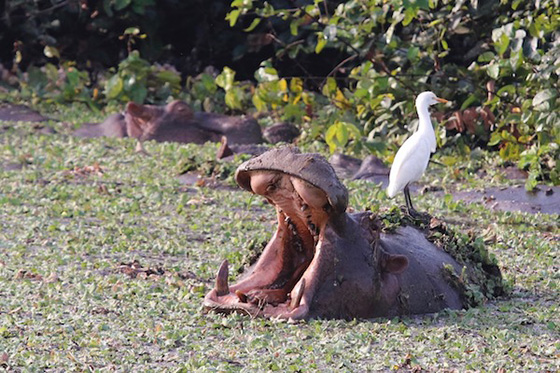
[113, 126]
[237, 129]
[424, 288]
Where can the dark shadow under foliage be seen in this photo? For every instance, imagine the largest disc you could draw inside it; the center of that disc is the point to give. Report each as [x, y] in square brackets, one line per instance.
[188, 34]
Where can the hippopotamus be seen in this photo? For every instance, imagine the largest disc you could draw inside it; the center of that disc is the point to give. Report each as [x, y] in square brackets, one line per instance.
[324, 262]
[175, 122]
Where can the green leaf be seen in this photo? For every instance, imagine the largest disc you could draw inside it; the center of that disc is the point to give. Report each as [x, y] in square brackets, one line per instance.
[293, 112]
[169, 76]
[114, 87]
[237, 3]
[232, 17]
[516, 59]
[260, 105]
[51, 52]
[233, 98]
[336, 136]
[266, 74]
[107, 7]
[73, 78]
[296, 85]
[330, 32]
[507, 91]
[226, 78]
[321, 42]
[121, 4]
[330, 87]
[532, 181]
[493, 71]
[132, 31]
[543, 96]
[502, 44]
[495, 138]
[294, 27]
[510, 151]
[472, 98]
[253, 25]
[138, 94]
[360, 93]
[139, 6]
[208, 83]
[423, 4]
[412, 53]
[486, 57]
[409, 15]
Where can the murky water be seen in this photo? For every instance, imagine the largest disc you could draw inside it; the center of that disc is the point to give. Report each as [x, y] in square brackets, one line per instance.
[544, 199]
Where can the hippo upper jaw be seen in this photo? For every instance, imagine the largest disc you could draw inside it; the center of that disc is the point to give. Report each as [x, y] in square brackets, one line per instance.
[283, 281]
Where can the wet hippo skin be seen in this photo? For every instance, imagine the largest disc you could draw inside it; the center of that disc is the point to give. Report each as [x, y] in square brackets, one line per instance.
[324, 262]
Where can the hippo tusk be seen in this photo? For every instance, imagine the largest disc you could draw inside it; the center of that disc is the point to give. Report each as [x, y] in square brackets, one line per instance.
[222, 287]
[297, 293]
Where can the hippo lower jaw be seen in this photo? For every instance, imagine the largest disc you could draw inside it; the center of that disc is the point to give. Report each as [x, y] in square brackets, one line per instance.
[283, 281]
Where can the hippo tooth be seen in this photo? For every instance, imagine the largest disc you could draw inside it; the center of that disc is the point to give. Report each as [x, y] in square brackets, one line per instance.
[312, 227]
[297, 293]
[315, 239]
[241, 296]
[222, 287]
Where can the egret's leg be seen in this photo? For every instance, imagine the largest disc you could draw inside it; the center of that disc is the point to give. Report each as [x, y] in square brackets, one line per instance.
[409, 207]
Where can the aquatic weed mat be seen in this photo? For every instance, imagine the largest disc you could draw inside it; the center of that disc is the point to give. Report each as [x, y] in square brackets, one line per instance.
[105, 258]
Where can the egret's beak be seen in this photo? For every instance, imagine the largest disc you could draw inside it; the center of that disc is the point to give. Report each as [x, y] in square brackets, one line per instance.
[442, 100]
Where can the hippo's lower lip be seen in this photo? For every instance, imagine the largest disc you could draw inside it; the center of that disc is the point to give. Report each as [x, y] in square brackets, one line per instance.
[275, 286]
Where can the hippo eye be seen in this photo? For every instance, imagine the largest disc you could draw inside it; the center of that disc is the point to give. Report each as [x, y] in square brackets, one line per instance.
[271, 188]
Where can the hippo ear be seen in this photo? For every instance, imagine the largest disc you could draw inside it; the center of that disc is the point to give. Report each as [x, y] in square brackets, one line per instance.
[394, 263]
[138, 111]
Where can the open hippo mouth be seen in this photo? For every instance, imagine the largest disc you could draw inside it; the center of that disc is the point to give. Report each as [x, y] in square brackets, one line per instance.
[307, 195]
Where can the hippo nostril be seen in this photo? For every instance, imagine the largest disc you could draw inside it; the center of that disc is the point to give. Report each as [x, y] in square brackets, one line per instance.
[241, 296]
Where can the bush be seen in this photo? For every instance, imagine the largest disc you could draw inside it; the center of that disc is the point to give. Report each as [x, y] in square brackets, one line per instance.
[395, 49]
[346, 72]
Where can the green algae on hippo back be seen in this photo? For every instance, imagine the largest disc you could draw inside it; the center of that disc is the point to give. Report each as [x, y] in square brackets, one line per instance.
[480, 277]
[324, 262]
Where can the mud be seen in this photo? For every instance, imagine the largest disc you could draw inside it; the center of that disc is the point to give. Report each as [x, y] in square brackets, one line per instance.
[543, 199]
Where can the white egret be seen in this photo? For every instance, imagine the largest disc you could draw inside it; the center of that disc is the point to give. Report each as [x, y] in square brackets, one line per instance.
[412, 158]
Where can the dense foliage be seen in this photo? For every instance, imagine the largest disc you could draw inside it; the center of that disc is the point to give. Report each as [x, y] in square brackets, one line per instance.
[346, 72]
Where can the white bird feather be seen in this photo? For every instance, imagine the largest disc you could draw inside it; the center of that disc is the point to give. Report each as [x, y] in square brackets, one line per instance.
[413, 156]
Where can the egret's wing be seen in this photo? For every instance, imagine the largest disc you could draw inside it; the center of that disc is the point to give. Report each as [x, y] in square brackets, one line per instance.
[410, 163]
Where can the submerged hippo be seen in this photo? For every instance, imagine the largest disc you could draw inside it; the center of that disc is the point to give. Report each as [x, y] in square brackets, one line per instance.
[175, 122]
[324, 262]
